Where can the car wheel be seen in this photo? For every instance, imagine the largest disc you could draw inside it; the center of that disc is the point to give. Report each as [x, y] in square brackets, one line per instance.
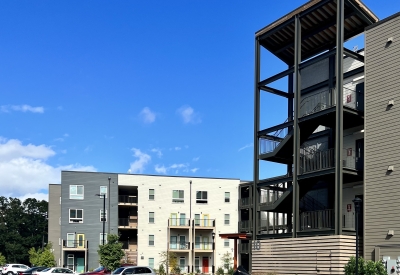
[10, 273]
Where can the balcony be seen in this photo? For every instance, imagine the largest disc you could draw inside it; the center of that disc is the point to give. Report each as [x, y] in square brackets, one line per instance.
[245, 202]
[179, 246]
[279, 224]
[321, 219]
[178, 222]
[244, 226]
[277, 199]
[204, 223]
[74, 245]
[244, 248]
[127, 200]
[129, 245]
[203, 246]
[126, 223]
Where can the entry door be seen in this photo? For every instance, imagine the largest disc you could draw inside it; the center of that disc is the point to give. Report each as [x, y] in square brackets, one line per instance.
[80, 265]
[174, 218]
[360, 154]
[173, 242]
[205, 243]
[81, 240]
[206, 219]
[182, 242]
[205, 264]
[360, 96]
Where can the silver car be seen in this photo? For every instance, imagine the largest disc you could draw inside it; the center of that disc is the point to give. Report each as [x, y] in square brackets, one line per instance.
[129, 270]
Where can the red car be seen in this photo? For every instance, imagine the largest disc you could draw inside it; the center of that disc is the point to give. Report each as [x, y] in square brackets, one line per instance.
[98, 271]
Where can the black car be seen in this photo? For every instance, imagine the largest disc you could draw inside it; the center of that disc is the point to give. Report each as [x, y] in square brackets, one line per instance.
[32, 270]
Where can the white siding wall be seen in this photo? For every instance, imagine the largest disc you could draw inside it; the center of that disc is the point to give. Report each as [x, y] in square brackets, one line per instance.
[163, 206]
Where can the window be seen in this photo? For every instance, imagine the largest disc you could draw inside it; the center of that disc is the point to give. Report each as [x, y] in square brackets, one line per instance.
[182, 263]
[227, 196]
[151, 240]
[103, 237]
[226, 243]
[151, 197]
[197, 264]
[151, 262]
[197, 219]
[178, 196]
[103, 216]
[182, 219]
[151, 217]
[103, 191]
[76, 192]
[201, 197]
[70, 261]
[76, 216]
[70, 239]
[226, 220]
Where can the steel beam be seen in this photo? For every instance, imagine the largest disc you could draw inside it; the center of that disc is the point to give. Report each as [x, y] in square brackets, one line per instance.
[276, 77]
[354, 55]
[296, 127]
[275, 91]
[339, 118]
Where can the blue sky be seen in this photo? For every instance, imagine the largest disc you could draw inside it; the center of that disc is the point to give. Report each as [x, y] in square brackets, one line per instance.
[153, 87]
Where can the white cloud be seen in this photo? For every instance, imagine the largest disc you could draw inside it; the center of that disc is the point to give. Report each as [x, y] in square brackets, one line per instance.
[23, 168]
[38, 196]
[160, 169]
[196, 159]
[194, 170]
[142, 159]
[246, 146]
[147, 115]
[177, 148]
[88, 149]
[21, 108]
[157, 151]
[189, 115]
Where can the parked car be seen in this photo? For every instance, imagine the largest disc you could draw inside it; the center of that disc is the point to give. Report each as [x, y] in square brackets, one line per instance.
[32, 270]
[129, 270]
[13, 269]
[60, 270]
[101, 270]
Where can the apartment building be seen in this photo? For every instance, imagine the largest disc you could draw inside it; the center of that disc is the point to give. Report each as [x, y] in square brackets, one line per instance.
[337, 141]
[152, 215]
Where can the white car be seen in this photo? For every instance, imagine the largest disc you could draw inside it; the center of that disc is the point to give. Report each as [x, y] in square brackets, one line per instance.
[52, 270]
[129, 270]
[13, 269]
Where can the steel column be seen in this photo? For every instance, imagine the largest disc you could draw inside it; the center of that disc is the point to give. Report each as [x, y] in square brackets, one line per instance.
[296, 128]
[256, 144]
[339, 118]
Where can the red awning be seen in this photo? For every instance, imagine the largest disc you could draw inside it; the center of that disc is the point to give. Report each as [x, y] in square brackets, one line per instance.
[245, 236]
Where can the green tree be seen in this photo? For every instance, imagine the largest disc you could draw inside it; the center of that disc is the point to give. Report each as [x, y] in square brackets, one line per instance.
[42, 257]
[2, 260]
[364, 267]
[226, 260]
[161, 269]
[170, 261]
[111, 253]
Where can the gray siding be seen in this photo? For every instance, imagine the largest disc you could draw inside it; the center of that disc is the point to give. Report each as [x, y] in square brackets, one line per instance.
[382, 132]
[54, 214]
[91, 205]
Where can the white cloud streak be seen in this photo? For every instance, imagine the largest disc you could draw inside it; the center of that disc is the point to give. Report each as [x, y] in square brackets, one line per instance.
[162, 169]
[157, 151]
[147, 115]
[21, 108]
[189, 115]
[138, 165]
[246, 146]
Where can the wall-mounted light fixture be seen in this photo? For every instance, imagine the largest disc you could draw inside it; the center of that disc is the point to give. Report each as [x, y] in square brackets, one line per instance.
[390, 168]
[390, 102]
[390, 232]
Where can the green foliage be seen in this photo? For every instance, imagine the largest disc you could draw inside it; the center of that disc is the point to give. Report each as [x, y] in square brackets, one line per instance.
[176, 270]
[220, 271]
[22, 225]
[161, 270]
[111, 253]
[198, 271]
[42, 257]
[169, 260]
[226, 260]
[2, 260]
[364, 267]
[230, 270]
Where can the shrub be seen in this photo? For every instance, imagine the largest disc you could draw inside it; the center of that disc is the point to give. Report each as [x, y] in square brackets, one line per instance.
[220, 271]
[364, 267]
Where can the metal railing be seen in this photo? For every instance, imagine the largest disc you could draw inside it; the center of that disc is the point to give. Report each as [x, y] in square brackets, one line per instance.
[126, 222]
[128, 244]
[127, 199]
[269, 142]
[279, 223]
[320, 219]
[203, 245]
[179, 245]
[74, 244]
[244, 248]
[204, 222]
[318, 160]
[271, 197]
[245, 201]
[244, 225]
[178, 222]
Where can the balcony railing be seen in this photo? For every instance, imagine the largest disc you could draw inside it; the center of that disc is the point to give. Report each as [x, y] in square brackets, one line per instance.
[270, 141]
[271, 197]
[203, 245]
[178, 222]
[279, 223]
[127, 199]
[127, 222]
[179, 246]
[244, 225]
[204, 223]
[321, 219]
[244, 248]
[243, 202]
[129, 245]
[74, 244]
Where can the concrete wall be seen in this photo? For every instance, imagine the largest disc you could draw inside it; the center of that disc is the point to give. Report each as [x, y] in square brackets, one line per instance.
[382, 131]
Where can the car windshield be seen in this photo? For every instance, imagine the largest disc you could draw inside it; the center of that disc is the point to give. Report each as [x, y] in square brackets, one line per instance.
[31, 269]
[45, 270]
[118, 270]
[100, 268]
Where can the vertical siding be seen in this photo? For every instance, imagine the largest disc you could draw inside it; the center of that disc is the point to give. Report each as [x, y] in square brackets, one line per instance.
[308, 255]
[54, 213]
[382, 132]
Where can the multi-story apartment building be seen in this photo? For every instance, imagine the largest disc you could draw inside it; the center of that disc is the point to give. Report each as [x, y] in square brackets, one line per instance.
[337, 141]
[152, 215]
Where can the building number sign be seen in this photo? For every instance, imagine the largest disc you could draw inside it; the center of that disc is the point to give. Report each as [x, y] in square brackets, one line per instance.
[256, 245]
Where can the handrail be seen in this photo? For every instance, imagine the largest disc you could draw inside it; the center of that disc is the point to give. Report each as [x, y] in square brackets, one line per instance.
[316, 219]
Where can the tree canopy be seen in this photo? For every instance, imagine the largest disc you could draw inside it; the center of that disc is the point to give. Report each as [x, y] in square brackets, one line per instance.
[22, 225]
[42, 257]
[111, 253]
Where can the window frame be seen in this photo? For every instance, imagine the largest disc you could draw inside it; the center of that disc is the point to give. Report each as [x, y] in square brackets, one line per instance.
[227, 221]
[184, 263]
[202, 199]
[227, 243]
[151, 239]
[150, 221]
[178, 199]
[73, 240]
[227, 198]
[102, 193]
[80, 220]
[76, 196]
[101, 210]
[151, 264]
[197, 219]
[150, 195]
